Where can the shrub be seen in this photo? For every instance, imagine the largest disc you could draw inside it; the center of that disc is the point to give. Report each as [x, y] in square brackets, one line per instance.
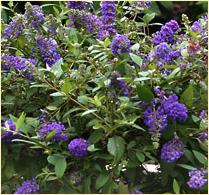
[90, 98]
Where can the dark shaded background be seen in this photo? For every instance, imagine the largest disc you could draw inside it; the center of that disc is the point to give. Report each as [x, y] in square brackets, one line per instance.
[165, 10]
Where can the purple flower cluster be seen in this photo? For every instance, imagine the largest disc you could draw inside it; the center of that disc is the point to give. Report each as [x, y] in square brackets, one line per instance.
[201, 27]
[164, 53]
[101, 26]
[203, 136]
[20, 64]
[92, 23]
[197, 179]
[28, 187]
[48, 47]
[54, 126]
[78, 147]
[172, 150]
[79, 5]
[141, 4]
[155, 120]
[120, 44]
[107, 20]
[119, 85]
[14, 28]
[175, 111]
[8, 136]
[166, 34]
[162, 110]
[34, 15]
[76, 17]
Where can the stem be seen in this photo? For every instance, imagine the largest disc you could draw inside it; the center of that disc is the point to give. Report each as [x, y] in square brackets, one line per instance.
[16, 132]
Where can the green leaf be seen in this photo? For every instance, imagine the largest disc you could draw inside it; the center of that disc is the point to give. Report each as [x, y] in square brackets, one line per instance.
[51, 135]
[195, 118]
[141, 79]
[107, 42]
[116, 147]
[87, 185]
[72, 35]
[95, 136]
[32, 121]
[13, 118]
[189, 155]
[92, 148]
[6, 8]
[88, 112]
[60, 167]
[20, 124]
[203, 145]
[57, 94]
[136, 59]
[59, 162]
[70, 111]
[39, 86]
[101, 180]
[68, 85]
[51, 160]
[20, 120]
[57, 69]
[188, 96]
[148, 17]
[144, 93]
[83, 99]
[176, 187]
[140, 156]
[185, 166]
[9, 169]
[51, 107]
[200, 157]
[173, 74]
[135, 47]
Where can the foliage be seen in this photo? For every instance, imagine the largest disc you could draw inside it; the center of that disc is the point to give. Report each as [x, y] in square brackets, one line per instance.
[87, 119]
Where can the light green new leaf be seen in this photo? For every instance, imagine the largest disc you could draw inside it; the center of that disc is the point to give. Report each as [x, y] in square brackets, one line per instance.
[88, 112]
[136, 59]
[176, 187]
[57, 69]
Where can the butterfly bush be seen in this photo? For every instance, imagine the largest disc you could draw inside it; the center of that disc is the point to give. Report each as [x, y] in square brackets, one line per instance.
[96, 93]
